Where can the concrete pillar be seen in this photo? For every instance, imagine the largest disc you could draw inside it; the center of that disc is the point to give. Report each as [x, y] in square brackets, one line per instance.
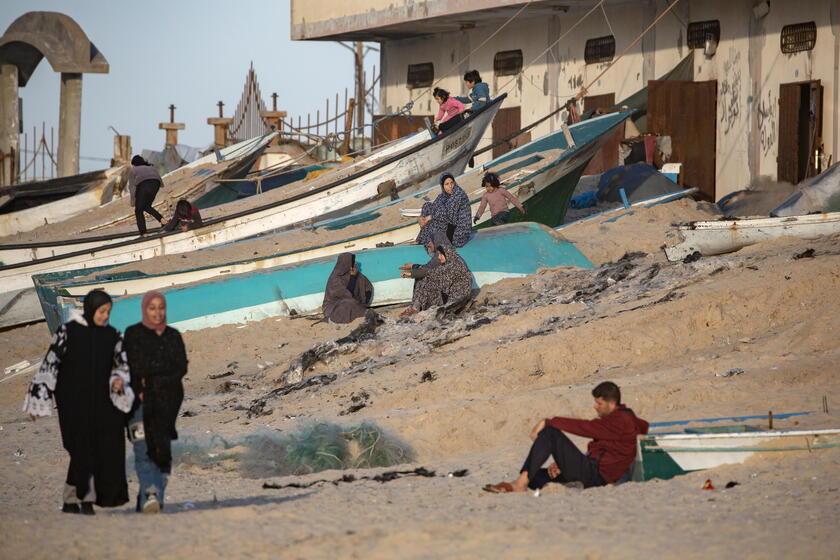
[9, 125]
[122, 150]
[69, 124]
[273, 119]
[171, 129]
[220, 130]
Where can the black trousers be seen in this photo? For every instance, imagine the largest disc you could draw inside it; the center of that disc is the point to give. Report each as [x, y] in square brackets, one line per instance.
[444, 126]
[144, 196]
[574, 465]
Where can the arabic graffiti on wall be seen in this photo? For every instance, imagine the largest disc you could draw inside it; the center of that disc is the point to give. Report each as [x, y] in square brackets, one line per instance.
[730, 91]
[767, 112]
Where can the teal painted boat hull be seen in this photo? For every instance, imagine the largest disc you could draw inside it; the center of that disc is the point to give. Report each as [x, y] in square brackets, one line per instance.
[508, 251]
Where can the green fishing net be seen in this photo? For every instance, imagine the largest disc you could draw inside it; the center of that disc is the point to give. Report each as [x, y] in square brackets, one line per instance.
[314, 448]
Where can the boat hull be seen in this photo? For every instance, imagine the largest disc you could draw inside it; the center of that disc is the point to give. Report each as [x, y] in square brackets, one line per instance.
[298, 288]
[668, 455]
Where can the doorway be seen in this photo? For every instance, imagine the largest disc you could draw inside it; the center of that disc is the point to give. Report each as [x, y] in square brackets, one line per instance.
[508, 121]
[800, 130]
[686, 111]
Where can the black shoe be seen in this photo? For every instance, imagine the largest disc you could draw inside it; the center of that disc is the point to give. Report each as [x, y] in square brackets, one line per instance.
[87, 508]
[70, 508]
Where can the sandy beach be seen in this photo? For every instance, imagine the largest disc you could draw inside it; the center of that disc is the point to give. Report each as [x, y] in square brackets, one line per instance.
[463, 393]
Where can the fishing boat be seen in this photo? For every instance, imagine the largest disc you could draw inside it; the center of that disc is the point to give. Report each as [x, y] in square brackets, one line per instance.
[541, 175]
[668, 455]
[384, 175]
[725, 236]
[299, 288]
[56, 200]
[401, 168]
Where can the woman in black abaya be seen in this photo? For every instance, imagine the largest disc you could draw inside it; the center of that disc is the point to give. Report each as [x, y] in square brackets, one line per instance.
[86, 372]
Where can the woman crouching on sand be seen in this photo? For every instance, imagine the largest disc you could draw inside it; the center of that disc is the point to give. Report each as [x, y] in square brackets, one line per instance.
[445, 283]
[85, 371]
[158, 362]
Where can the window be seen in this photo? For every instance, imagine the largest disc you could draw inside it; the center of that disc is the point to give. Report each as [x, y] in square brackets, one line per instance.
[507, 63]
[799, 37]
[600, 49]
[700, 30]
[420, 75]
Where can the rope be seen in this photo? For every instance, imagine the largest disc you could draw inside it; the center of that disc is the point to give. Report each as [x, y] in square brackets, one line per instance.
[496, 32]
[627, 48]
[584, 90]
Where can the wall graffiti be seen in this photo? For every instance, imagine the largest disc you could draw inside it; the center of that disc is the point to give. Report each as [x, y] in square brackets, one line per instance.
[767, 112]
[730, 91]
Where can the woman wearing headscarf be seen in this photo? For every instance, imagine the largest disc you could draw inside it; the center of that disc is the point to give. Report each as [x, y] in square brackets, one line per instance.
[348, 291]
[158, 361]
[86, 373]
[448, 282]
[449, 213]
[144, 181]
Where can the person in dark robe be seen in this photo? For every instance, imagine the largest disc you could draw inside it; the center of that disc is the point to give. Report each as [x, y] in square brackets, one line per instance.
[419, 272]
[348, 291]
[446, 283]
[449, 213]
[158, 361]
[186, 217]
[86, 373]
[144, 181]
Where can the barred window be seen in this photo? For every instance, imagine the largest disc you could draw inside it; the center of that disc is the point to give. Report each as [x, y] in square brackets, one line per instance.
[699, 30]
[799, 37]
[507, 63]
[600, 49]
[420, 75]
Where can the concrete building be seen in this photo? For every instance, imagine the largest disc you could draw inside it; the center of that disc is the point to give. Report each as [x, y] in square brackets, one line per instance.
[761, 102]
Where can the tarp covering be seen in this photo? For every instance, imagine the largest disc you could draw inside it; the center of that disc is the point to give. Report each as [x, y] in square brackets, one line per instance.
[818, 194]
[639, 181]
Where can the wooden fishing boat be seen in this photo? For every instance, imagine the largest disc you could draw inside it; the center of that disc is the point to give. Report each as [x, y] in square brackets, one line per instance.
[299, 288]
[89, 190]
[401, 168]
[384, 175]
[668, 455]
[541, 176]
[725, 236]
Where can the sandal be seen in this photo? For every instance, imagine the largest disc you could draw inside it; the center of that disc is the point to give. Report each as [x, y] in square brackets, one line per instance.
[500, 488]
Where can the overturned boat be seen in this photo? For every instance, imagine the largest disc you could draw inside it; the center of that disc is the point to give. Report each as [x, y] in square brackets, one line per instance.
[724, 236]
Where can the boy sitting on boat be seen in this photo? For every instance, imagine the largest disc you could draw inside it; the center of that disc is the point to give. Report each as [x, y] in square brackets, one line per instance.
[609, 455]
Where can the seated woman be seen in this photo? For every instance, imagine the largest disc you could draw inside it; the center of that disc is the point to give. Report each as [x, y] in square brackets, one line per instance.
[451, 110]
[479, 91]
[449, 213]
[448, 282]
[186, 217]
[348, 291]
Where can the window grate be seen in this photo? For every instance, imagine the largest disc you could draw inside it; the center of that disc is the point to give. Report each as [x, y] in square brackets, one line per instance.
[507, 63]
[699, 30]
[799, 37]
[600, 49]
[420, 75]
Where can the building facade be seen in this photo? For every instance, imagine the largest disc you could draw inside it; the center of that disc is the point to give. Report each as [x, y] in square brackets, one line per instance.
[761, 100]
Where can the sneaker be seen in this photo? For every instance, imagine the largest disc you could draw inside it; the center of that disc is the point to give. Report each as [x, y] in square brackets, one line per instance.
[152, 505]
[87, 508]
[70, 508]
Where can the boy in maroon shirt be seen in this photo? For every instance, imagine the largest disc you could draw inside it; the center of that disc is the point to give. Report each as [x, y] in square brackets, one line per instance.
[609, 454]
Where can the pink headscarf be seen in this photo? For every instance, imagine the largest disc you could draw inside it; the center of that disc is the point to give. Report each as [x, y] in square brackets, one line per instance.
[147, 299]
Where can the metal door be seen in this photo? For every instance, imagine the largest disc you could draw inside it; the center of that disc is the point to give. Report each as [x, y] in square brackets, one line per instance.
[607, 156]
[507, 122]
[800, 130]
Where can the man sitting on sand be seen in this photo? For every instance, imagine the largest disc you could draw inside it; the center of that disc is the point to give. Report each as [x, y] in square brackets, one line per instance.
[609, 455]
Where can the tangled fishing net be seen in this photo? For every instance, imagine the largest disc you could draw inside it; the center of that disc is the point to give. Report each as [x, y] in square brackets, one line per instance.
[317, 447]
